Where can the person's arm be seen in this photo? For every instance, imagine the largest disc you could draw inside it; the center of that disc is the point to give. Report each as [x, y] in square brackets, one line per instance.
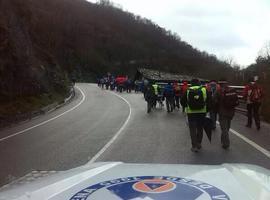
[236, 97]
[183, 100]
[217, 99]
[245, 93]
[209, 101]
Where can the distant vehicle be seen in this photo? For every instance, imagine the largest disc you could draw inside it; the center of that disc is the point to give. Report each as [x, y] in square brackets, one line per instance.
[118, 181]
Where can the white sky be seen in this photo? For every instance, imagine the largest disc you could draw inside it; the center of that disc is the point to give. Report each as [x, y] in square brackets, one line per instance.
[227, 28]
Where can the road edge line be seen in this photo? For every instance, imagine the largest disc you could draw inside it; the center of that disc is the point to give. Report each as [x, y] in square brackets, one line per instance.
[104, 148]
[250, 142]
[47, 121]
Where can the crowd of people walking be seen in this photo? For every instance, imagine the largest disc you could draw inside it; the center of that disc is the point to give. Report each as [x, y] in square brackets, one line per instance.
[203, 104]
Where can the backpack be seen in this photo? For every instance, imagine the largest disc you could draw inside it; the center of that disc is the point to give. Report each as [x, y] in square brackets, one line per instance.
[230, 99]
[255, 95]
[195, 99]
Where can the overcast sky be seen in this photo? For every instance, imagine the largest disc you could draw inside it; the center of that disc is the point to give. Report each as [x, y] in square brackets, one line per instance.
[226, 28]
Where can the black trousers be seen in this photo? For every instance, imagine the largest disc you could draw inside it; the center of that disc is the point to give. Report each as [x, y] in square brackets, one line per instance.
[213, 116]
[170, 103]
[177, 101]
[196, 122]
[253, 112]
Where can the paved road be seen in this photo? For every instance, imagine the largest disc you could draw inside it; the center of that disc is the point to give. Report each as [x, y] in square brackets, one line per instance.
[69, 141]
[77, 136]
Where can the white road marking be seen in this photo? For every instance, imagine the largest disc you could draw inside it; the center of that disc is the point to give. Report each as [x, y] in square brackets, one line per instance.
[256, 146]
[47, 121]
[250, 142]
[116, 135]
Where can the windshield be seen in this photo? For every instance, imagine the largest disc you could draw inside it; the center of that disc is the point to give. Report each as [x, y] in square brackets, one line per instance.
[157, 82]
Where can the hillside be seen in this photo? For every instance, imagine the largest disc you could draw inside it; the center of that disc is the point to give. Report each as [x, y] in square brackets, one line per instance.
[45, 42]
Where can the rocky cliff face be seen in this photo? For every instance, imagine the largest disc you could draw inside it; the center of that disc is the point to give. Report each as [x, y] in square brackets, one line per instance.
[26, 70]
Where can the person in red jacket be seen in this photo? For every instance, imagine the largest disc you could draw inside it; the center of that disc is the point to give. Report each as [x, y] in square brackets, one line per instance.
[253, 95]
[184, 88]
[177, 94]
[120, 82]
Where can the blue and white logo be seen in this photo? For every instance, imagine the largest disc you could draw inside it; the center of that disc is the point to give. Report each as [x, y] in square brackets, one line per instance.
[151, 188]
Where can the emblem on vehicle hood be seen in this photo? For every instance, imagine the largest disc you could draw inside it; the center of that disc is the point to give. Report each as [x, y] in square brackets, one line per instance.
[151, 188]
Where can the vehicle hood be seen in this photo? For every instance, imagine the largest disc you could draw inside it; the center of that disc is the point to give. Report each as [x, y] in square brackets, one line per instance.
[117, 181]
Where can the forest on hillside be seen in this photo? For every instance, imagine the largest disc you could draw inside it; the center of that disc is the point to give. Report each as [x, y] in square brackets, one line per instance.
[46, 42]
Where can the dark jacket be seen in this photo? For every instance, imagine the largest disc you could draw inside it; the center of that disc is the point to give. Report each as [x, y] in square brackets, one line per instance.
[168, 91]
[149, 93]
[222, 110]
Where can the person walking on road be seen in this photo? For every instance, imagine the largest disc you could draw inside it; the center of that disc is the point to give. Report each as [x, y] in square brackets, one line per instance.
[253, 95]
[227, 100]
[128, 85]
[195, 101]
[169, 96]
[212, 88]
[156, 89]
[102, 82]
[112, 83]
[149, 97]
[137, 86]
[144, 85]
[177, 94]
[160, 96]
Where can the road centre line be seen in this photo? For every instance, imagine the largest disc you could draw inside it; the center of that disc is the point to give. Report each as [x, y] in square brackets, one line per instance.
[47, 121]
[117, 134]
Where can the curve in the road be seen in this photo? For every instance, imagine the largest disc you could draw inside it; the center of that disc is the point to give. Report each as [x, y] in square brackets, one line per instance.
[118, 132]
[47, 121]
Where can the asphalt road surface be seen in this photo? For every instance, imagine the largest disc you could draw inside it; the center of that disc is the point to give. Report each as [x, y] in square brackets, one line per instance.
[99, 125]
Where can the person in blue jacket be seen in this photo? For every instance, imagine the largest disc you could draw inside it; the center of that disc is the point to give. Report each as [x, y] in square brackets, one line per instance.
[169, 96]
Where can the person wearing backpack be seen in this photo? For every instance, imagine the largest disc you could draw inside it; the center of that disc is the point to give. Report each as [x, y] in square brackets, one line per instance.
[156, 89]
[227, 100]
[253, 95]
[177, 94]
[150, 97]
[212, 88]
[169, 96]
[196, 101]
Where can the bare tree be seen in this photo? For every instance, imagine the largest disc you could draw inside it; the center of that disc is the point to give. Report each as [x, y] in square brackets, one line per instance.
[229, 60]
[106, 3]
[265, 51]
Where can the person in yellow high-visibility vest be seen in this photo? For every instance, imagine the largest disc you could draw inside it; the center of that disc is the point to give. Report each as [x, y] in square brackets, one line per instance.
[156, 90]
[196, 101]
